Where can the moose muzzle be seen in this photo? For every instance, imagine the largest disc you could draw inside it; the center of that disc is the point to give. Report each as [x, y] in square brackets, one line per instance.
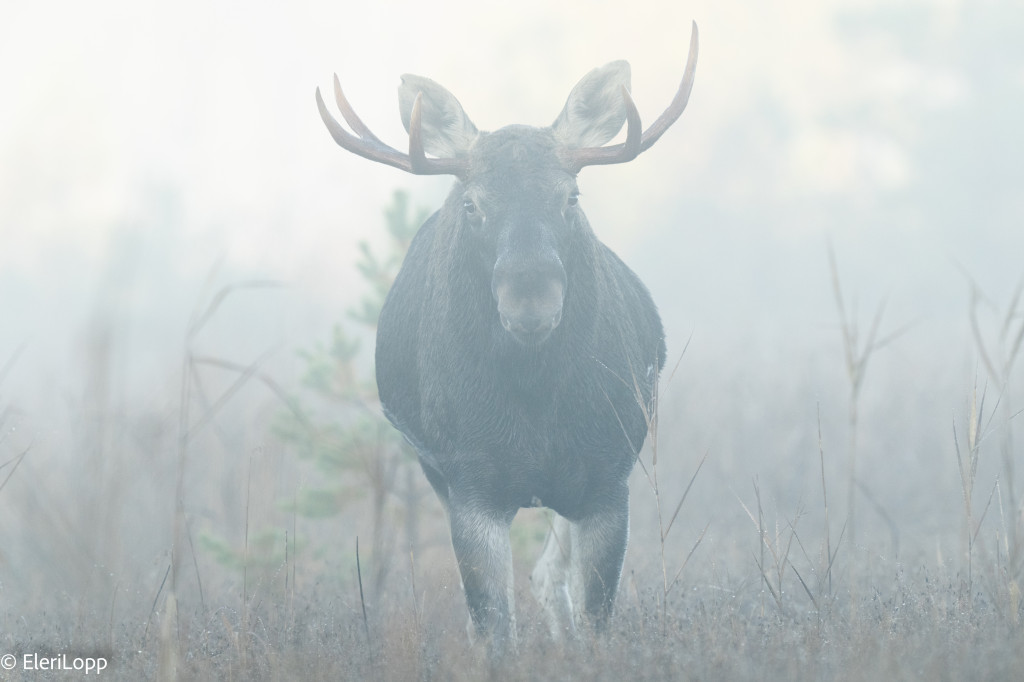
[529, 299]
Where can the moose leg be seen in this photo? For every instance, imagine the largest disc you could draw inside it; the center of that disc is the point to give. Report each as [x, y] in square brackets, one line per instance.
[598, 549]
[481, 542]
[550, 580]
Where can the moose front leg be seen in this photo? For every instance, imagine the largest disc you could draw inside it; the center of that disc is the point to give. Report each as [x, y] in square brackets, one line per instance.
[480, 537]
[598, 549]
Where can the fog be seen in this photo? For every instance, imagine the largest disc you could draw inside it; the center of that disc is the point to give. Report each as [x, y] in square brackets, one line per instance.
[153, 153]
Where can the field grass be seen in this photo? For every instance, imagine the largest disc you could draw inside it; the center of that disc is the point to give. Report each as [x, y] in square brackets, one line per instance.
[180, 557]
[905, 625]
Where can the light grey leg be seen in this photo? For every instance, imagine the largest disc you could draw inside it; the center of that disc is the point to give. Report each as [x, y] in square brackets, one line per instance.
[481, 541]
[550, 580]
[598, 549]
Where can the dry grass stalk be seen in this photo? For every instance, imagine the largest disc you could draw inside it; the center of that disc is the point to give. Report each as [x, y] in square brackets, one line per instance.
[14, 463]
[777, 547]
[999, 357]
[169, 659]
[362, 599]
[968, 468]
[651, 473]
[824, 501]
[857, 356]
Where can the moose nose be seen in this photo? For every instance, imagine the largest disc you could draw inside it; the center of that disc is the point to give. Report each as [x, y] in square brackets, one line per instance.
[529, 290]
[532, 323]
[530, 314]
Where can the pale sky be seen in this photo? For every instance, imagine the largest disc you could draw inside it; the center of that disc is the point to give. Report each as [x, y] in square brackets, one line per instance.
[214, 99]
[188, 131]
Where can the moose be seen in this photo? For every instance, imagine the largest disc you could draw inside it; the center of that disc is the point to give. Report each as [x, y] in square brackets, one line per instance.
[515, 351]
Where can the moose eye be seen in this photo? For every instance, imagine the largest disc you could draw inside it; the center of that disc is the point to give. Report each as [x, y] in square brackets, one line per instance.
[469, 207]
[574, 198]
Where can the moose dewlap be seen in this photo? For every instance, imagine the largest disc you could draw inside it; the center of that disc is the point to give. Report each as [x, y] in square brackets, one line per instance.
[515, 351]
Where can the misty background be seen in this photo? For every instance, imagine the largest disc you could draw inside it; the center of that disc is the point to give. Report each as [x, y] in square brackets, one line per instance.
[152, 153]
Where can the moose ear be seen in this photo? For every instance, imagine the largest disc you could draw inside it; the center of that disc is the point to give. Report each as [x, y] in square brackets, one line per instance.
[595, 110]
[446, 130]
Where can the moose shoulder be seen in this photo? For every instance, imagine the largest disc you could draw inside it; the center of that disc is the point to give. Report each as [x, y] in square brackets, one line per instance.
[515, 351]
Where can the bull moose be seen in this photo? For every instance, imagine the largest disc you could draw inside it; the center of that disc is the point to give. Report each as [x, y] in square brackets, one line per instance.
[515, 351]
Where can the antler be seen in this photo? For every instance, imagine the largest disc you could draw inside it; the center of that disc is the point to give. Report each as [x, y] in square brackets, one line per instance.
[368, 146]
[635, 142]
